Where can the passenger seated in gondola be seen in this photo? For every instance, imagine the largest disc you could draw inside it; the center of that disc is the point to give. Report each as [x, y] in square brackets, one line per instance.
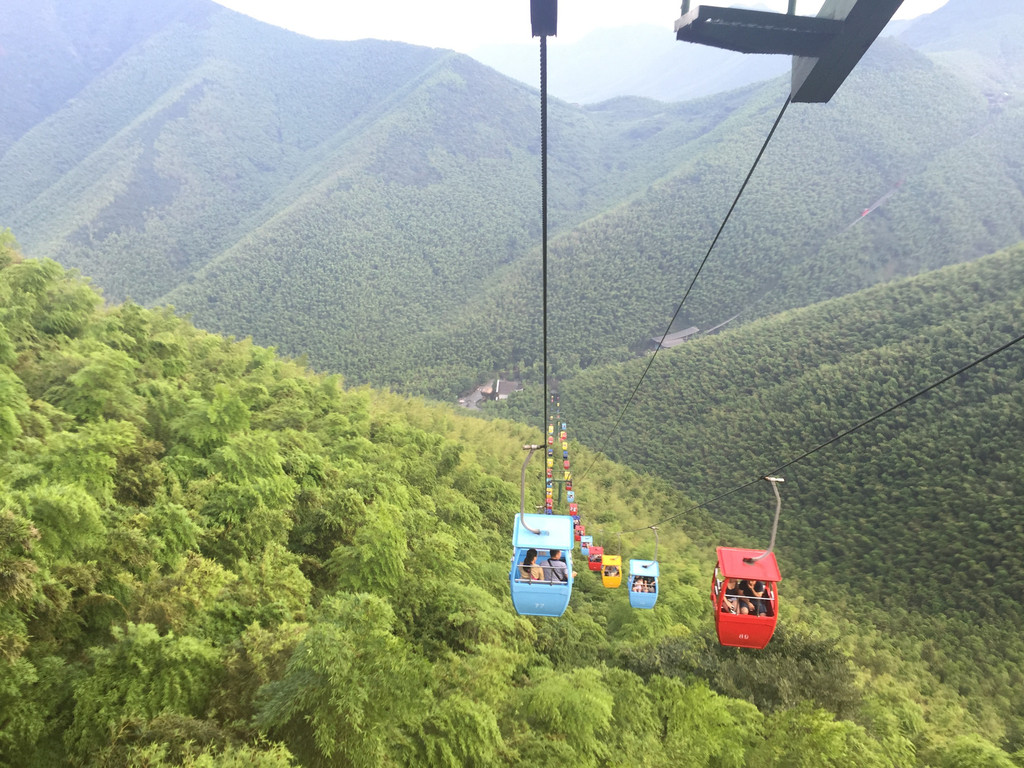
[557, 567]
[643, 584]
[731, 603]
[529, 568]
[747, 605]
[758, 597]
[611, 570]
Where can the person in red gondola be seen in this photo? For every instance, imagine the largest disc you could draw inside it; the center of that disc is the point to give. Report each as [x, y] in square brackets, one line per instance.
[747, 601]
[757, 592]
[731, 603]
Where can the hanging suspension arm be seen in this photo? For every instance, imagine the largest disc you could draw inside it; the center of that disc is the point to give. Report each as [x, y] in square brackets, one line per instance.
[775, 526]
[522, 489]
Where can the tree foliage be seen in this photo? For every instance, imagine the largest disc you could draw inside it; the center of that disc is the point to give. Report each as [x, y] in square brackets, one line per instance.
[243, 562]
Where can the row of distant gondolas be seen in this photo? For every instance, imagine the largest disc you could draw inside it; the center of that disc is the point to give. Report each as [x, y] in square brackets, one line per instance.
[744, 592]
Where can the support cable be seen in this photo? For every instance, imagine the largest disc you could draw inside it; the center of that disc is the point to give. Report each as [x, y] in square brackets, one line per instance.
[840, 436]
[544, 210]
[679, 308]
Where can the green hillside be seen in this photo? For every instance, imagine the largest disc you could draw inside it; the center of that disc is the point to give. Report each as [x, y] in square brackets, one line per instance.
[981, 40]
[52, 50]
[914, 515]
[211, 556]
[374, 206]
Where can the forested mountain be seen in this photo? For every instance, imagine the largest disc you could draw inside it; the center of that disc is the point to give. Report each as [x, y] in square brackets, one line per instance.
[375, 205]
[51, 50]
[980, 39]
[212, 556]
[913, 519]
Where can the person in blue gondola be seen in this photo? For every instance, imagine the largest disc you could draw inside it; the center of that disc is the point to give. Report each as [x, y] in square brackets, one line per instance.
[558, 568]
[644, 584]
[529, 568]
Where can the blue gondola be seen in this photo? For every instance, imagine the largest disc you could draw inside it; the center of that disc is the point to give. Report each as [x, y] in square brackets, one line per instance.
[570, 496]
[546, 596]
[585, 542]
[647, 572]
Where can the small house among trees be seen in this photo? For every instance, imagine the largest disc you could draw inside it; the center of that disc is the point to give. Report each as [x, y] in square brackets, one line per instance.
[498, 389]
[505, 387]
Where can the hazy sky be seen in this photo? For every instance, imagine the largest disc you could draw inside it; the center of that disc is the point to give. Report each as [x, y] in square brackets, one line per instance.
[465, 25]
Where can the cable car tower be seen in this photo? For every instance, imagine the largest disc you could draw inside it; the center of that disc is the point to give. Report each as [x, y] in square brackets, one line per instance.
[825, 48]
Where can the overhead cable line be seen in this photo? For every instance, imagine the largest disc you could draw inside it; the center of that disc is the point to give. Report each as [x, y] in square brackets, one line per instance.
[689, 288]
[544, 20]
[838, 437]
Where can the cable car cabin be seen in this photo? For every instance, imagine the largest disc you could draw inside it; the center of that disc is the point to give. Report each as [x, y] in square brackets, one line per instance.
[565, 464]
[537, 589]
[579, 530]
[570, 496]
[745, 615]
[585, 542]
[643, 583]
[574, 508]
[611, 570]
[594, 558]
[562, 435]
[551, 440]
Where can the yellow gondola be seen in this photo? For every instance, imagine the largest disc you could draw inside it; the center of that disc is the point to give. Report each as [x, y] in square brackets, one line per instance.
[611, 570]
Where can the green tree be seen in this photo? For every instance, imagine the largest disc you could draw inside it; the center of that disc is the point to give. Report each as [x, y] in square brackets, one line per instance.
[350, 686]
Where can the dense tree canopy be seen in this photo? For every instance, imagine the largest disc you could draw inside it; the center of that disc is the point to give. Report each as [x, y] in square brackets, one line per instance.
[211, 556]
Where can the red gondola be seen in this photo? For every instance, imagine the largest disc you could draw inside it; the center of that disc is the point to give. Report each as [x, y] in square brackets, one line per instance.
[594, 556]
[754, 628]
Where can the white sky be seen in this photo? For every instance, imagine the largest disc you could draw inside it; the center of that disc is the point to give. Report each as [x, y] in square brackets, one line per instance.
[465, 25]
